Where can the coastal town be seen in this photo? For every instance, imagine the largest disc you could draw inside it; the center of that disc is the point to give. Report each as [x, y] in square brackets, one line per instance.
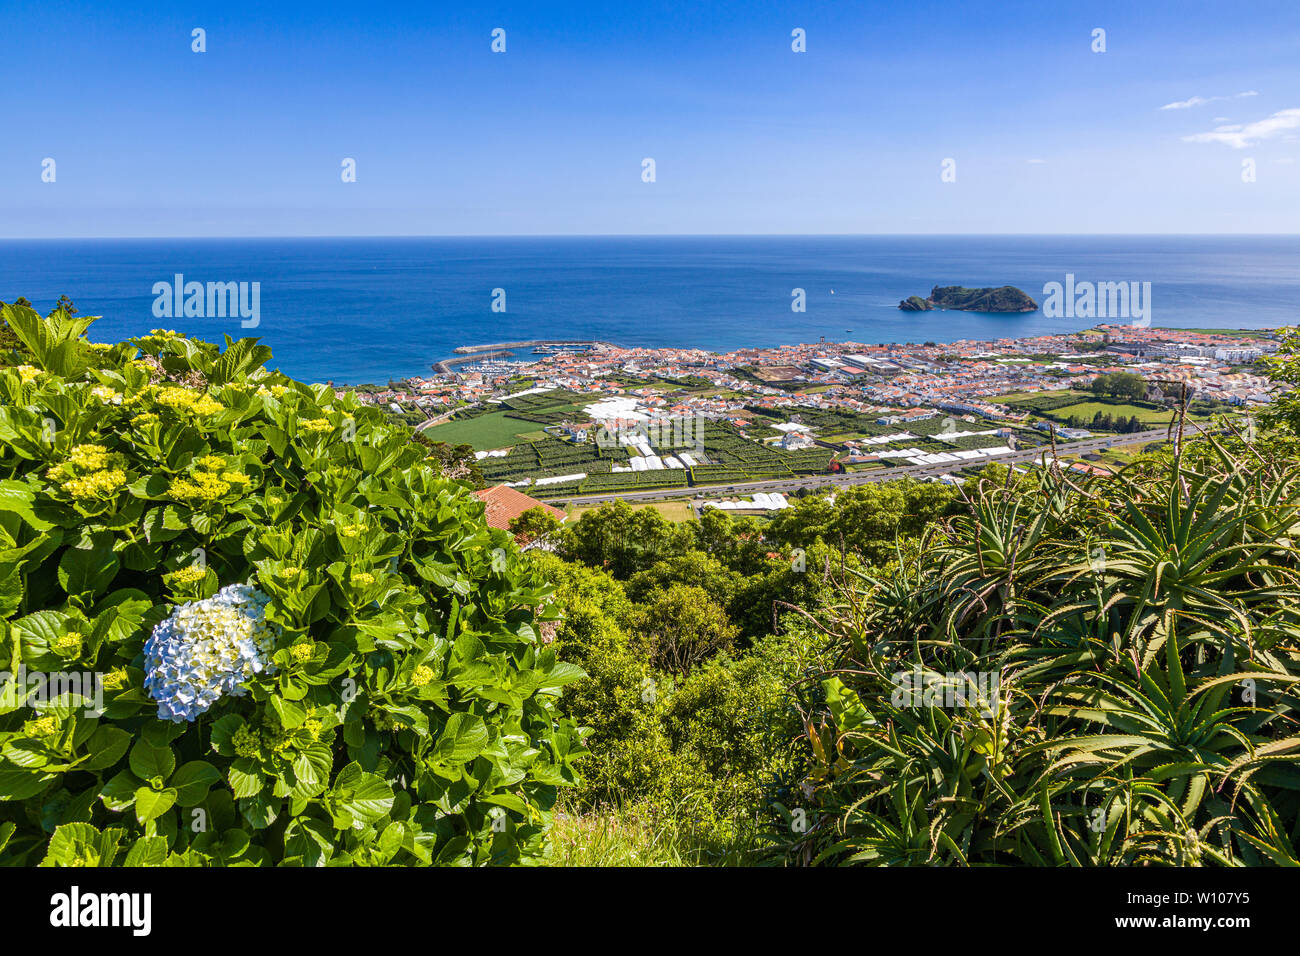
[584, 418]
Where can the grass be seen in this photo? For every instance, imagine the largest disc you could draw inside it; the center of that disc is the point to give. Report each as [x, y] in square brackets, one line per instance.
[673, 510]
[627, 835]
[1086, 411]
[1123, 454]
[1014, 397]
[484, 432]
[615, 837]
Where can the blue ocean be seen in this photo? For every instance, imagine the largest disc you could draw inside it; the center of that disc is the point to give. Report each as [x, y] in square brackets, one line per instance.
[354, 310]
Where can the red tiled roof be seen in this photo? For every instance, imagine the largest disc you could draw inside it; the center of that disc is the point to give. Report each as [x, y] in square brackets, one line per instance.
[502, 505]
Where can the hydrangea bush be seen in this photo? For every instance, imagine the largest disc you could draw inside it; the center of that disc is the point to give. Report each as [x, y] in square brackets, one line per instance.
[306, 646]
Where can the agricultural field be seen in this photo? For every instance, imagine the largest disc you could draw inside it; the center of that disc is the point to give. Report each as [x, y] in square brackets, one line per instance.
[1062, 404]
[841, 423]
[1028, 397]
[485, 432]
[728, 456]
[551, 456]
[521, 418]
[1266, 334]
[1147, 415]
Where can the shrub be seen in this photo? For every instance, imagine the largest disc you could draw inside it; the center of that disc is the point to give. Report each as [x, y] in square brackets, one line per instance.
[687, 754]
[387, 698]
[1132, 644]
[621, 701]
[681, 627]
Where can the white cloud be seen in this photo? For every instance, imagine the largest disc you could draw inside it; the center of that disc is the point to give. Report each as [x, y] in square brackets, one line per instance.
[1202, 100]
[1036, 162]
[1186, 104]
[1240, 137]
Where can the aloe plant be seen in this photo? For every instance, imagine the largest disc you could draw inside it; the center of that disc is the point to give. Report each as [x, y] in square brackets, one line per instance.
[1145, 633]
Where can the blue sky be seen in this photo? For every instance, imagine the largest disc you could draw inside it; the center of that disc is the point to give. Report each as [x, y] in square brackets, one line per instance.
[246, 139]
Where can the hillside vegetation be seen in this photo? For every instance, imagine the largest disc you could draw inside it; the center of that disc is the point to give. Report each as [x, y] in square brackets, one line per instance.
[311, 650]
[1095, 674]
[253, 624]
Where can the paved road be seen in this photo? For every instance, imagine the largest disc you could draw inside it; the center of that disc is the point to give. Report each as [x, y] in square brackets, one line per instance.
[444, 417]
[865, 477]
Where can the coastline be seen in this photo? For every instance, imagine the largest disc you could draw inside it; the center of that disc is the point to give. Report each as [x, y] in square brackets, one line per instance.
[357, 311]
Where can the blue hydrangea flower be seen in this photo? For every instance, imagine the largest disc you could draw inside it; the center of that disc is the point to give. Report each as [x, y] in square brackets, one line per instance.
[207, 649]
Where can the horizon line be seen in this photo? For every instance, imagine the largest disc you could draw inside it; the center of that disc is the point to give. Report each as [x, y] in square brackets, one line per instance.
[669, 235]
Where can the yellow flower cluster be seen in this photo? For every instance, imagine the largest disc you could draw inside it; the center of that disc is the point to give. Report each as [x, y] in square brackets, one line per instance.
[302, 652]
[42, 726]
[115, 679]
[312, 727]
[188, 400]
[106, 395]
[190, 574]
[207, 405]
[422, 676]
[89, 457]
[289, 572]
[99, 484]
[28, 373]
[102, 475]
[352, 530]
[201, 486]
[144, 418]
[363, 578]
[67, 642]
[207, 484]
[316, 425]
[276, 391]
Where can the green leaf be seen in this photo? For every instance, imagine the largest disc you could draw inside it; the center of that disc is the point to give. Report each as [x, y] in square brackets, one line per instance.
[192, 781]
[363, 796]
[148, 761]
[89, 570]
[312, 768]
[151, 804]
[245, 779]
[559, 675]
[118, 793]
[221, 734]
[462, 739]
[80, 844]
[21, 784]
[17, 497]
[106, 747]
[147, 851]
[291, 715]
